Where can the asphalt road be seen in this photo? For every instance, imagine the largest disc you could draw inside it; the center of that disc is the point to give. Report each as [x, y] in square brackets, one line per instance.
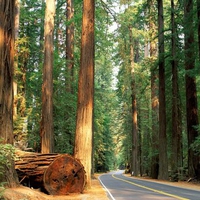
[120, 187]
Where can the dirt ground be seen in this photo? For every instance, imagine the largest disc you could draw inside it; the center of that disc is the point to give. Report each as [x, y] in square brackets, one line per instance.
[97, 192]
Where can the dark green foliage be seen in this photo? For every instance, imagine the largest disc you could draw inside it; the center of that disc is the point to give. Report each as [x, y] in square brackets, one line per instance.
[7, 154]
[196, 144]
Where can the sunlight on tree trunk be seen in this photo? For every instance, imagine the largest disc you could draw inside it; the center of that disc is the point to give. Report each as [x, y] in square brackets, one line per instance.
[15, 85]
[6, 88]
[6, 69]
[46, 129]
[83, 137]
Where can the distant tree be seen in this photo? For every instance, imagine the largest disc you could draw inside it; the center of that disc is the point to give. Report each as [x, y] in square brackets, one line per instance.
[19, 86]
[154, 90]
[84, 121]
[135, 161]
[163, 160]
[70, 44]
[176, 118]
[8, 173]
[46, 129]
[17, 15]
[69, 65]
[28, 76]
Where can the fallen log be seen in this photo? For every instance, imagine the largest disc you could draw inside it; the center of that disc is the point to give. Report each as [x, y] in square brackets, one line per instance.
[58, 174]
[31, 166]
[64, 174]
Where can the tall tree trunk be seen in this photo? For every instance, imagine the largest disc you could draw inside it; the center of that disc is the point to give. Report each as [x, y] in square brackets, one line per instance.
[135, 145]
[46, 129]
[70, 44]
[69, 62]
[191, 92]
[6, 83]
[163, 160]
[155, 121]
[84, 121]
[16, 24]
[155, 117]
[176, 123]
[154, 91]
[6, 69]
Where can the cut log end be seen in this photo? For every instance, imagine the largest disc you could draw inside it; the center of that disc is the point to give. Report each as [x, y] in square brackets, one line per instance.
[64, 175]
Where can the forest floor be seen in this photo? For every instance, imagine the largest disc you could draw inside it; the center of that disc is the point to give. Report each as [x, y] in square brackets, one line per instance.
[96, 192]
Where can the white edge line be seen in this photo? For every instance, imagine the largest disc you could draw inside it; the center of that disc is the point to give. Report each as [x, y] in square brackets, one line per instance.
[106, 188]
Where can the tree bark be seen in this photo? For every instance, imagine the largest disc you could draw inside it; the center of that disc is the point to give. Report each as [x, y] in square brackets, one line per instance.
[6, 83]
[15, 85]
[31, 166]
[58, 174]
[6, 69]
[135, 161]
[46, 128]
[176, 123]
[155, 121]
[70, 45]
[69, 63]
[154, 91]
[163, 160]
[84, 121]
[64, 175]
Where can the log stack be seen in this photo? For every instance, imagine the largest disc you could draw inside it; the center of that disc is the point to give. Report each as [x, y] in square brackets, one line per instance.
[59, 174]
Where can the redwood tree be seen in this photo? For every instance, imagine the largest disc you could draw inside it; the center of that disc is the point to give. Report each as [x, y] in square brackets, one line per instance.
[84, 121]
[154, 90]
[176, 123]
[70, 43]
[6, 69]
[6, 84]
[69, 64]
[15, 85]
[135, 161]
[163, 161]
[46, 129]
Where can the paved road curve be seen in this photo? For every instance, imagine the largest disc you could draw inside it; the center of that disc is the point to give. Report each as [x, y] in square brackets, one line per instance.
[120, 187]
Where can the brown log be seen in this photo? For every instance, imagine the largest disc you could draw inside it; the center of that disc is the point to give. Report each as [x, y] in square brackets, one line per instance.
[64, 175]
[31, 166]
[58, 174]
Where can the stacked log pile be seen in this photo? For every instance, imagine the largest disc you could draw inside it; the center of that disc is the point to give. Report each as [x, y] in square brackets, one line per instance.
[58, 174]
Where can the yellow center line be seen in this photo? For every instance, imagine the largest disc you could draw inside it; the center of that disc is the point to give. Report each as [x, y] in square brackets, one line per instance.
[151, 189]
